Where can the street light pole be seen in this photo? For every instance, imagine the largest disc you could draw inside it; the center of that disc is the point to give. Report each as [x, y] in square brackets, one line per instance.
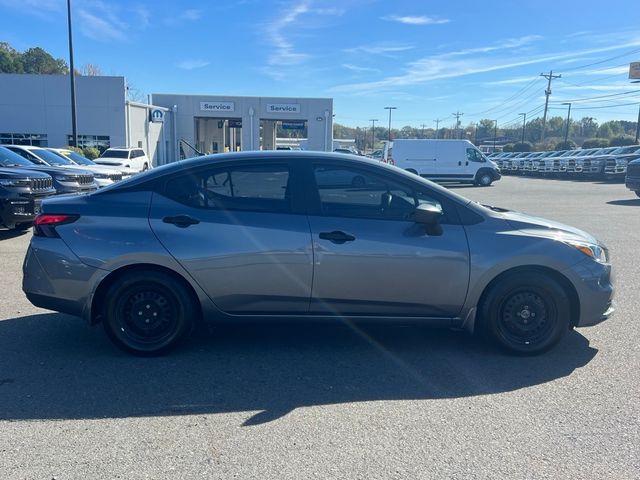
[566, 130]
[74, 127]
[638, 126]
[390, 108]
[524, 123]
[373, 133]
[495, 134]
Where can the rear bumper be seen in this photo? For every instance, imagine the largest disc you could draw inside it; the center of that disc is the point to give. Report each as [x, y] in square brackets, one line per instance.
[19, 210]
[54, 278]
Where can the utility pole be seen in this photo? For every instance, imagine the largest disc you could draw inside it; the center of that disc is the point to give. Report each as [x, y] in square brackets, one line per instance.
[390, 108]
[495, 134]
[524, 125]
[423, 125]
[457, 115]
[549, 76]
[74, 127]
[373, 133]
[438, 120]
[566, 131]
[638, 126]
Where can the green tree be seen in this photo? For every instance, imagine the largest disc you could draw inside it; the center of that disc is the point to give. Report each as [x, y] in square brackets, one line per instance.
[522, 147]
[508, 147]
[588, 127]
[36, 60]
[91, 153]
[604, 131]
[568, 145]
[595, 143]
[621, 141]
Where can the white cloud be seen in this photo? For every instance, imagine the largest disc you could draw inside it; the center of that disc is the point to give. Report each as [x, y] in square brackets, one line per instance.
[284, 50]
[102, 28]
[358, 69]
[192, 64]
[416, 19]
[607, 71]
[379, 49]
[449, 65]
[190, 14]
[511, 81]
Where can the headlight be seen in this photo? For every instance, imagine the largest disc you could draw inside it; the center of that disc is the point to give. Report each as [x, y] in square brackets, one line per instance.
[66, 178]
[15, 182]
[598, 253]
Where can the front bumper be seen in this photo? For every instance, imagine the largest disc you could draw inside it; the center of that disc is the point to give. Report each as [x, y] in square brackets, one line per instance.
[594, 286]
[633, 183]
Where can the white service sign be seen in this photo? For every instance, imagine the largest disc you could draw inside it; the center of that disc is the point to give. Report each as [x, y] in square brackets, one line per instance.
[283, 108]
[217, 106]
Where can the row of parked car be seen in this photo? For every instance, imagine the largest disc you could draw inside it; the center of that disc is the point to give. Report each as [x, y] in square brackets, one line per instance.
[29, 174]
[610, 163]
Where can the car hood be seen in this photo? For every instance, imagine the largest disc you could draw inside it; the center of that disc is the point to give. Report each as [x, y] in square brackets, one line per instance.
[545, 228]
[58, 170]
[111, 161]
[22, 173]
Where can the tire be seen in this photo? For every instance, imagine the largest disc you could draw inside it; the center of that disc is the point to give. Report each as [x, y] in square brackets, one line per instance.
[145, 167]
[21, 227]
[525, 313]
[484, 179]
[148, 312]
[638, 193]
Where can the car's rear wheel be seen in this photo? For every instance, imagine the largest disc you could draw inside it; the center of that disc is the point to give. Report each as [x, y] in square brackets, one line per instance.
[23, 226]
[148, 312]
[638, 193]
[525, 313]
[145, 167]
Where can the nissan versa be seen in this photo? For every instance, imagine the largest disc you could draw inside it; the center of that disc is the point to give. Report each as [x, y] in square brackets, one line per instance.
[306, 235]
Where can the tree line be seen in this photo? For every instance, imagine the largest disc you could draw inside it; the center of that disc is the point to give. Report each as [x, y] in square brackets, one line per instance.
[586, 132]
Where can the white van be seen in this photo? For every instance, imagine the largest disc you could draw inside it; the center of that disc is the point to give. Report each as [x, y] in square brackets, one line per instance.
[442, 160]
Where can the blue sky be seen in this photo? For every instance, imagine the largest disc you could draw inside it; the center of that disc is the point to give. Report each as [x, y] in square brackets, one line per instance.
[429, 59]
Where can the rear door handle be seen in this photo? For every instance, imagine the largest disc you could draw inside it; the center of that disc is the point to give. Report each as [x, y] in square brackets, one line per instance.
[182, 221]
[337, 237]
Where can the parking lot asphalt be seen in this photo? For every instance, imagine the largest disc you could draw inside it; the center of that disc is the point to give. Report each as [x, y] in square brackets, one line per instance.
[332, 401]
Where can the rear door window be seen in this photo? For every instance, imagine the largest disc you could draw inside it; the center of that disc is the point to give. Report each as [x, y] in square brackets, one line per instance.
[260, 188]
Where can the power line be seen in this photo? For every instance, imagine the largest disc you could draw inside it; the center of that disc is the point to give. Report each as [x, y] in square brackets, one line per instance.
[508, 99]
[601, 106]
[630, 52]
[630, 92]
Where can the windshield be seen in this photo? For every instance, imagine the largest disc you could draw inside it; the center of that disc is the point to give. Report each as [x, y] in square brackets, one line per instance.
[77, 158]
[109, 153]
[51, 158]
[12, 159]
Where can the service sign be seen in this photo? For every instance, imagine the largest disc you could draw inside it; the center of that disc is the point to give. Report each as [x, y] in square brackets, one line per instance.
[217, 106]
[634, 71]
[283, 108]
[157, 115]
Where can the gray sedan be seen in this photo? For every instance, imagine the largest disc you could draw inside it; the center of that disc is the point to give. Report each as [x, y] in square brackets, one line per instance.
[274, 235]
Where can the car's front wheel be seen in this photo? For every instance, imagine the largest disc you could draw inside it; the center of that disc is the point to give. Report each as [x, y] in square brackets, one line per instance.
[148, 312]
[525, 313]
[484, 178]
[638, 193]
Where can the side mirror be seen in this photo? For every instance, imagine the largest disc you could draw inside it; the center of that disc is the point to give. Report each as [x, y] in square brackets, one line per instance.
[427, 214]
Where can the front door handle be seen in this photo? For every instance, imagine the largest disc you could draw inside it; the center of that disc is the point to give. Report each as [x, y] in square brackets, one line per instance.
[182, 221]
[337, 237]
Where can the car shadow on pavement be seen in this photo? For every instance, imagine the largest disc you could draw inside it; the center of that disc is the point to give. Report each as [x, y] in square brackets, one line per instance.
[6, 234]
[53, 366]
[634, 202]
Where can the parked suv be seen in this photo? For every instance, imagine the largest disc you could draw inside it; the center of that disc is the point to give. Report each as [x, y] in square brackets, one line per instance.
[65, 180]
[134, 158]
[83, 161]
[632, 179]
[21, 195]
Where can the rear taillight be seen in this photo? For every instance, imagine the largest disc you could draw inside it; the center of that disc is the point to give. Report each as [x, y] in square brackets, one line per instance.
[45, 224]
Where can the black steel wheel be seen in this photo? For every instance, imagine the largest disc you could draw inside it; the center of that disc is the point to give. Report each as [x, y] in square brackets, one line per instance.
[148, 312]
[638, 193]
[525, 313]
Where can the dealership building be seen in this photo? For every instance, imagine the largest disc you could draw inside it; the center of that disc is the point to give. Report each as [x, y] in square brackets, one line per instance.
[36, 110]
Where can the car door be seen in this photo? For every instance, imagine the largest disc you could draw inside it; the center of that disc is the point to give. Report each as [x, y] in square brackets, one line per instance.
[370, 257]
[235, 229]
